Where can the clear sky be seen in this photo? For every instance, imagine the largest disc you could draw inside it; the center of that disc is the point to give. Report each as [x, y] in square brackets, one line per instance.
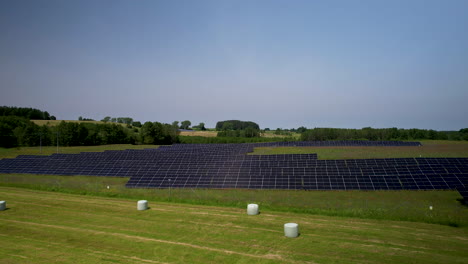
[344, 64]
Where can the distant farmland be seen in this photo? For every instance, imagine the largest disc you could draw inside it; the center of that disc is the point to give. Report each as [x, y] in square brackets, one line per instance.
[199, 133]
[429, 149]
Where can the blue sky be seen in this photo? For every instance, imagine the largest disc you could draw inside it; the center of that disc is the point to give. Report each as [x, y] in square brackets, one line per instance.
[347, 64]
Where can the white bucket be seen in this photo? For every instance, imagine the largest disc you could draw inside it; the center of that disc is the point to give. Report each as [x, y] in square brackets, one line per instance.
[142, 205]
[252, 209]
[291, 230]
[2, 205]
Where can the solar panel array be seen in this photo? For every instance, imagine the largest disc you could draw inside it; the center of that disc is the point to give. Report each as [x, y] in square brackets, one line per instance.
[228, 166]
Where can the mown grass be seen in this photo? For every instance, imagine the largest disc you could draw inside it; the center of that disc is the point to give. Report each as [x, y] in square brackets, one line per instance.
[433, 149]
[50, 227]
[14, 152]
[389, 205]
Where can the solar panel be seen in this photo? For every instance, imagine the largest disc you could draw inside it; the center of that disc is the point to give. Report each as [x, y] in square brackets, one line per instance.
[228, 166]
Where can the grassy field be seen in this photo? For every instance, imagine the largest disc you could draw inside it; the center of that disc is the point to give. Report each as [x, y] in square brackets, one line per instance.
[434, 149]
[51, 227]
[270, 134]
[84, 219]
[199, 133]
[213, 133]
[13, 152]
[390, 205]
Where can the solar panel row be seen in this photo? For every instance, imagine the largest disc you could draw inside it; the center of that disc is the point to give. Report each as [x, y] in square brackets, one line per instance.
[228, 166]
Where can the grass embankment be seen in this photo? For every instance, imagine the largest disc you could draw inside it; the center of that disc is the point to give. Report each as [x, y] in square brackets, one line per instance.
[48, 227]
[14, 152]
[429, 149]
[390, 205]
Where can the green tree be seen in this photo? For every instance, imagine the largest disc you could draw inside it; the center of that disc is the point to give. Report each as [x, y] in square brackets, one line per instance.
[185, 124]
[251, 132]
[157, 133]
[236, 125]
[301, 129]
[228, 126]
[200, 126]
[463, 134]
[28, 113]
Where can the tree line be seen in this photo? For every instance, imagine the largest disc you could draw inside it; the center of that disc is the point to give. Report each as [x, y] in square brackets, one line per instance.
[29, 113]
[368, 133]
[16, 129]
[185, 125]
[236, 125]
[19, 131]
[237, 128]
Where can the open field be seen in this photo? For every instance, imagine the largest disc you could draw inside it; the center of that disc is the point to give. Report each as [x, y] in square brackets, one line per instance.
[270, 134]
[199, 133]
[212, 133]
[47, 227]
[13, 152]
[433, 149]
[390, 205]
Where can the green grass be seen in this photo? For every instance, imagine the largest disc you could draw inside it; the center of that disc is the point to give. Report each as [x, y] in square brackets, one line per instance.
[51, 227]
[14, 152]
[434, 149]
[271, 133]
[389, 205]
